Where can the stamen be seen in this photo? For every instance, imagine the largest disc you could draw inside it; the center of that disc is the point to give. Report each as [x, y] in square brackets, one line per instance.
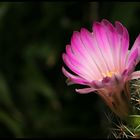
[109, 73]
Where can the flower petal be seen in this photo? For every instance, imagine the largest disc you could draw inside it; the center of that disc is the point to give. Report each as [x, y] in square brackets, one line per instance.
[103, 45]
[135, 47]
[81, 65]
[73, 78]
[81, 52]
[93, 50]
[85, 90]
[124, 43]
[96, 84]
[97, 31]
[113, 40]
[132, 61]
[135, 75]
[81, 72]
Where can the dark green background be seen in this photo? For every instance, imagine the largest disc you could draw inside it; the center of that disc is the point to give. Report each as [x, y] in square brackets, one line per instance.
[34, 98]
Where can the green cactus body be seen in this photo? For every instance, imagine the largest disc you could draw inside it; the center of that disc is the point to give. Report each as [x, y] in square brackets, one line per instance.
[130, 127]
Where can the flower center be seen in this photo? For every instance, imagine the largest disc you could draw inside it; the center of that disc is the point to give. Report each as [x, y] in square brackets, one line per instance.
[108, 74]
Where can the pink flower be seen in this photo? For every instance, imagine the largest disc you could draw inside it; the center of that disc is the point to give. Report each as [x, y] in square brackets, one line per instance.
[101, 61]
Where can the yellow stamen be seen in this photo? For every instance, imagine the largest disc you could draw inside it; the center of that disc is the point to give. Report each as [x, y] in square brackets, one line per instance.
[108, 74]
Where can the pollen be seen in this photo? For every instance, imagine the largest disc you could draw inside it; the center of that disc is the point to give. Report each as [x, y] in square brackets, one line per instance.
[108, 74]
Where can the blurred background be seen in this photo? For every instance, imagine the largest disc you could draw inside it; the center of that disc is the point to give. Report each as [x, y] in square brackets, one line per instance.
[34, 98]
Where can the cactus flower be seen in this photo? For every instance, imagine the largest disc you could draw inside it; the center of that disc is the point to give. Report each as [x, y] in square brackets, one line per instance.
[102, 62]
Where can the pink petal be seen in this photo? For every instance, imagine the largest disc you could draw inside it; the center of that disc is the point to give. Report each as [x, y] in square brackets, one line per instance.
[97, 84]
[105, 42]
[94, 72]
[124, 43]
[135, 75]
[102, 47]
[81, 72]
[78, 63]
[74, 78]
[93, 51]
[79, 49]
[85, 90]
[81, 52]
[133, 49]
[132, 61]
[113, 40]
